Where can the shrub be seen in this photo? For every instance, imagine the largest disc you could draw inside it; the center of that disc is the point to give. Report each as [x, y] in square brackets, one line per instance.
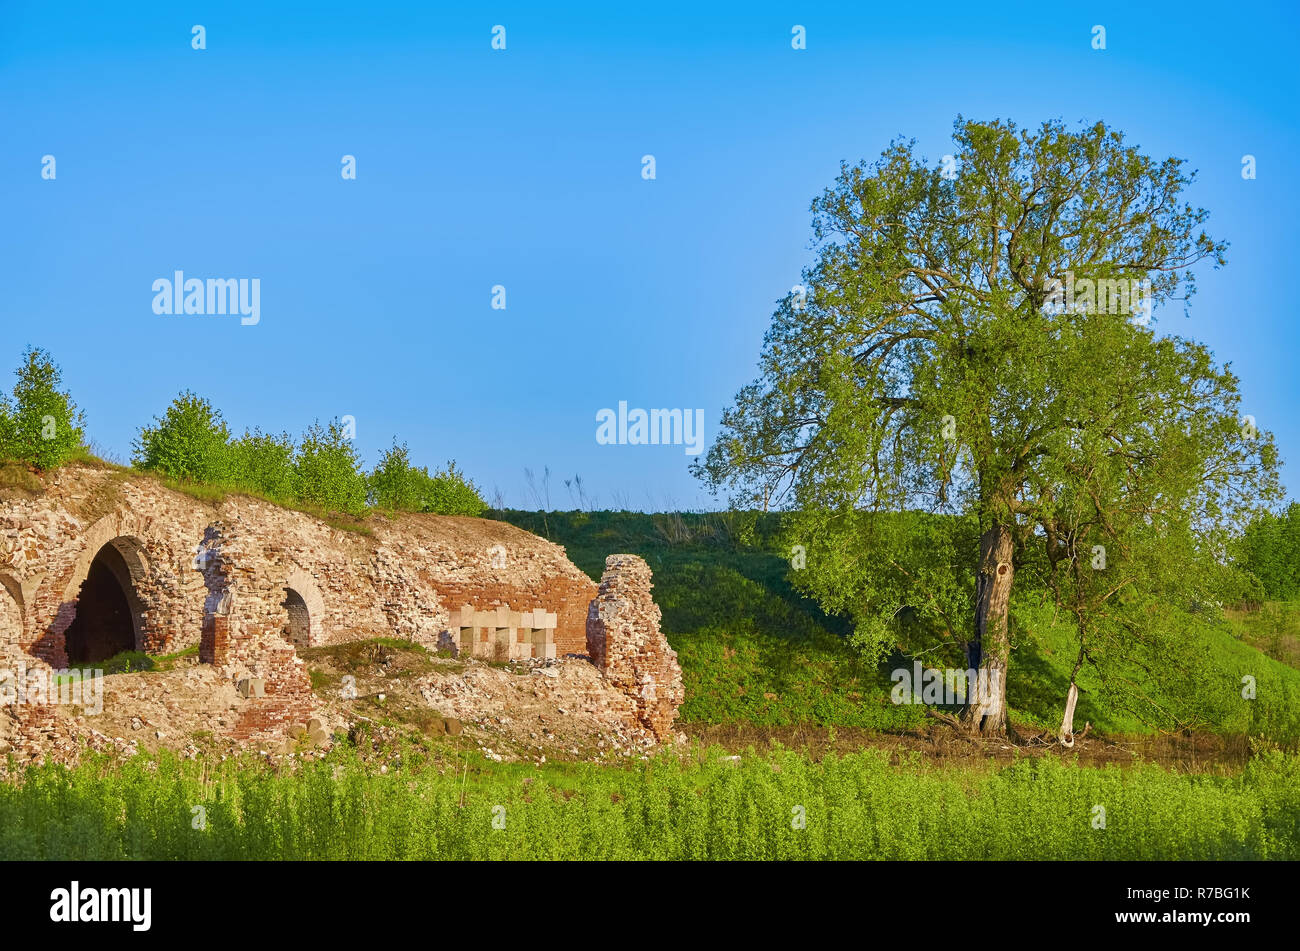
[42, 427]
[263, 463]
[189, 441]
[329, 471]
[395, 483]
[450, 493]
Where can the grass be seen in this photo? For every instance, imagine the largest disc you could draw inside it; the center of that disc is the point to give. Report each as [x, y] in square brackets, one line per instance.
[1273, 628]
[215, 493]
[18, 478]
[137, 662]
[776, 806]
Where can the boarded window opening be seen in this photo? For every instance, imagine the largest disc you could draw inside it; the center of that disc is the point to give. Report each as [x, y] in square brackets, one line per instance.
[298, 631]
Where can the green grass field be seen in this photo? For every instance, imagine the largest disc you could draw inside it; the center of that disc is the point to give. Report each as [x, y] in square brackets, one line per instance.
[776, 806]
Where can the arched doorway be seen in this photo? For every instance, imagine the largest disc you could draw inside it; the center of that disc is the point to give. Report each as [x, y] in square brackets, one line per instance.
[107, 619]
[11, 616]
[298, 631]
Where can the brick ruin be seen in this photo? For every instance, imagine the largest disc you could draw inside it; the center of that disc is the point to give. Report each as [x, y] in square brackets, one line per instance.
[104, 561]
[624, 642]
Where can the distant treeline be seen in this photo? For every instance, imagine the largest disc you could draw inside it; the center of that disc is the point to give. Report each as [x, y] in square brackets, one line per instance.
[190, 443]
[1270, 552]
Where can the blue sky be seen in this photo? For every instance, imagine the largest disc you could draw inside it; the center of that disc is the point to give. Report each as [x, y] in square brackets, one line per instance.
[522, 168]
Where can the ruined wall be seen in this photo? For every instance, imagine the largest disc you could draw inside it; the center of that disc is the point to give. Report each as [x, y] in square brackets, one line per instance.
[486, 565]
[220, 576]
[625, 643]
[249, 583]
[47, 545]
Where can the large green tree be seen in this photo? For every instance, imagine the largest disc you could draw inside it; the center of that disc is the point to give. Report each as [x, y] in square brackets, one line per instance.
[972, 338]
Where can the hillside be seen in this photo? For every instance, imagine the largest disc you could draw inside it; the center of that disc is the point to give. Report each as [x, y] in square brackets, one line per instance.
[754, 652]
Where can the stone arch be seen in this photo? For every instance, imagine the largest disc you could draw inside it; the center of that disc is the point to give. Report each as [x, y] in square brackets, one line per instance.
[108, 613]
[304, 609]
[11, 616]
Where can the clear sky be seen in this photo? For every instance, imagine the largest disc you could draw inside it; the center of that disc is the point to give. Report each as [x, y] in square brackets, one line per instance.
[522, 168]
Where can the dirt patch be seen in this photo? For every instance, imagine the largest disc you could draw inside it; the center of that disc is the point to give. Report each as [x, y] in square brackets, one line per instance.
[945, 746]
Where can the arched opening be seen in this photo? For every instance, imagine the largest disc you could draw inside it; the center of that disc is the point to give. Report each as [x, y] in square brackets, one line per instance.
[298, 630]
[108, 610]
[11, 616]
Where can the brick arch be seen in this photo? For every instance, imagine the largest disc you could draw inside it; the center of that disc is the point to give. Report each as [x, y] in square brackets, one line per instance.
[119, 561]
[138, 559]
[11, 616]
[305, 609]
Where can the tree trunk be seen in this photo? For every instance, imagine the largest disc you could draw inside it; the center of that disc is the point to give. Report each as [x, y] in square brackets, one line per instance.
[1066, 736]
[986, 711]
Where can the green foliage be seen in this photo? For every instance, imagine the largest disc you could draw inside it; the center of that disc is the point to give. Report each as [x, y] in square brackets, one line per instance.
[328, 470]
[903, 578]
[264, 464]
[190, 447]
[190, 441]
[449, 492]
[1270, 552]
[775, 807]
[397, 485]
[932, 367]
[126, 662]
[41, 427]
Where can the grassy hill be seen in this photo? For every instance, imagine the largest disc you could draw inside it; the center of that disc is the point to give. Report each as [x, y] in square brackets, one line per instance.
[754, 651]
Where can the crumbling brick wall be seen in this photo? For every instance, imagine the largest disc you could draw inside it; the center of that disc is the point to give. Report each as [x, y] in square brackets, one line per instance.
[624, 641]
[218, 575]
[480, 563]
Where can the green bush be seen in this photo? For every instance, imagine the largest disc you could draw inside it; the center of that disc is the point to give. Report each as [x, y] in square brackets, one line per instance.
[264, 464]
[329, 471]
[449, 493]
[189, 441]
[42, 426]
[125, 662]
[1270, 553]
[397, 485]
